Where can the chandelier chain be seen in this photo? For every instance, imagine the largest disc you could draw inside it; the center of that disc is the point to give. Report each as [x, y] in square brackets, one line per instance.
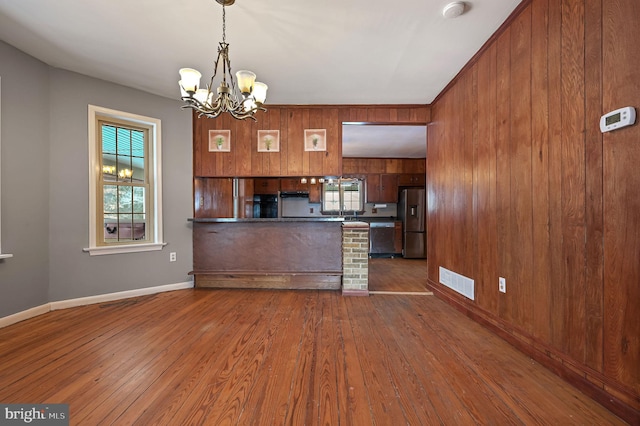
[224, 25]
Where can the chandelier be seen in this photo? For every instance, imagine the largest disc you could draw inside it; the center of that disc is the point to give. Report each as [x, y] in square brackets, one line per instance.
[241, 101]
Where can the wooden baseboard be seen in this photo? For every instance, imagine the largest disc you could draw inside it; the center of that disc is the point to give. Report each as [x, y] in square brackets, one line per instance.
[270, 281]
[101, 298]
[620, 401]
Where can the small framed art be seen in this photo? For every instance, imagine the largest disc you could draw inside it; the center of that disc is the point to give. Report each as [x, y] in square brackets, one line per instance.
[219, 140]
[268, 140]
[315, 139]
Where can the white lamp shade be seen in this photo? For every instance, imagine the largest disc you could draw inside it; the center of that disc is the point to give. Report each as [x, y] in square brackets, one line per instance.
[201, 95]
[190, 79]
[260, 92]
[183, 93]
[245, 80]
[249, 104]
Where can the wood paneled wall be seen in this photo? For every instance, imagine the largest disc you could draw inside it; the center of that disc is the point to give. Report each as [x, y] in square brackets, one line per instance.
[383, 165]
[291, 160]
[522, 185]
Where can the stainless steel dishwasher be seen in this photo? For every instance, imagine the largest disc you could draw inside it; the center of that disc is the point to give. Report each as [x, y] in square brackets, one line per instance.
[382, 238]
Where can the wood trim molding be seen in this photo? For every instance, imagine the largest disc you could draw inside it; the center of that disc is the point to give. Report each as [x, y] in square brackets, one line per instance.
[82, 301]
[590, 382]
[347, 292]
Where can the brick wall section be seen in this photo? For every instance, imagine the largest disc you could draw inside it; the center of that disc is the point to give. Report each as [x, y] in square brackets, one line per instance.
[355, 259]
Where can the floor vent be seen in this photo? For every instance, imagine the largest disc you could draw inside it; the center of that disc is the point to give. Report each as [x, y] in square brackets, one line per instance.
[456, 282]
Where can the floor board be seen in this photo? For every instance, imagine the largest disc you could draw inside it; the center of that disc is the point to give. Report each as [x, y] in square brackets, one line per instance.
[203, 356]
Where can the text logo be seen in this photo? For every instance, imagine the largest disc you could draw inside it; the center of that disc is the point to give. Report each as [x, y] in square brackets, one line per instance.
[34, 414]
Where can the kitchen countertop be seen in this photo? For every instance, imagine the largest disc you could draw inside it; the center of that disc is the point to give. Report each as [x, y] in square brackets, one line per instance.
[263, 220]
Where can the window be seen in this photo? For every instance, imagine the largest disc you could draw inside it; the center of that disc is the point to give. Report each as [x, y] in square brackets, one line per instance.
[342, 196]
[125, 184]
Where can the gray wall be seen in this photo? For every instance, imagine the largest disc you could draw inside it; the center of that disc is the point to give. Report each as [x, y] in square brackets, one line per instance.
[55, 193]
[24, 278]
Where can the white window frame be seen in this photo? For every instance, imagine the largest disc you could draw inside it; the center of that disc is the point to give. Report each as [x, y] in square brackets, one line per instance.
[341, 194]
[155, 181]
[2, 255]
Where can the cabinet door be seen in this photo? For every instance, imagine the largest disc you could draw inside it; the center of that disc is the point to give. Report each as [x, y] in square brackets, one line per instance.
[293, 184]
[266, 185]
[397, 240]
[373, 188]
[411, 179]
[388, 188]
[315, 193]
[213, 197]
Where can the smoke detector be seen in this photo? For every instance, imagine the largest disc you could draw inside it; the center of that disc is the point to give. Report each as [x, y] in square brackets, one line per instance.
[453, 10]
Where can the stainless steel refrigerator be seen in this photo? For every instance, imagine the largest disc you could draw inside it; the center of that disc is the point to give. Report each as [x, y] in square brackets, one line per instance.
[411, 212]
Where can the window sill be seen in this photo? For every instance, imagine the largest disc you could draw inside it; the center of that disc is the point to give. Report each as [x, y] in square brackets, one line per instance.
[5, 256]
[128, 248]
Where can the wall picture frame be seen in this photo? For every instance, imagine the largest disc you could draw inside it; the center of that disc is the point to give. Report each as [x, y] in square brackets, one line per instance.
[315, 139]
[219, 140]
[268, 140]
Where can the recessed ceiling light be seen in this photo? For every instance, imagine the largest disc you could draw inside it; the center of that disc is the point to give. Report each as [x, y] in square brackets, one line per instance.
[453, 10]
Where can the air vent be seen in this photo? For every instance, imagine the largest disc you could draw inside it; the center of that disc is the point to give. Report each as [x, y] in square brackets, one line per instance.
[458, 283]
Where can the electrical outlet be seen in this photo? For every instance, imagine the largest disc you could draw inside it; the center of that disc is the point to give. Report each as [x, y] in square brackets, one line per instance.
[172, 256]
[502, 285]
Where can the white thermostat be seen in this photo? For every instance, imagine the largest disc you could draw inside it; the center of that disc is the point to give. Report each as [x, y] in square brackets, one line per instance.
[618, 119]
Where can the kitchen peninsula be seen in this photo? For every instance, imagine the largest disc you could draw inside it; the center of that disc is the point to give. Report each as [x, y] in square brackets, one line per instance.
[302, 253]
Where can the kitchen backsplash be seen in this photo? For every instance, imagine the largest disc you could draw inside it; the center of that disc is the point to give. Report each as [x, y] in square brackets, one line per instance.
[301, 207]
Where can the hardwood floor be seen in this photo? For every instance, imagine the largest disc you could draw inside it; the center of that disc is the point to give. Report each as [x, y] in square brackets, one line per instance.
[398, 275]
[215, 357]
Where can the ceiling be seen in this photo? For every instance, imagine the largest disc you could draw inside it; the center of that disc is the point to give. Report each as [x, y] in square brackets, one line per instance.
[307, 52]
[382, 141]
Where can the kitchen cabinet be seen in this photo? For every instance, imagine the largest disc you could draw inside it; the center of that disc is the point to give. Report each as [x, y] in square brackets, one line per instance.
[266, 186]
[214, 197]
[412, 179]
[293, 184]
[397, 240]
[315, 193]
[382, 188]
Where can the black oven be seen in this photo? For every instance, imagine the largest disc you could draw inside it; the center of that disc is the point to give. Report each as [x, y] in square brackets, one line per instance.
[265, 205]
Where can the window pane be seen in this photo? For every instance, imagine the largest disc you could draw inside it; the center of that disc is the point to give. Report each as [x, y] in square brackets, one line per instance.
[137, 143]
[110, 196]
[124, 141]
[108, 140]
[125, 199]
[138, 200]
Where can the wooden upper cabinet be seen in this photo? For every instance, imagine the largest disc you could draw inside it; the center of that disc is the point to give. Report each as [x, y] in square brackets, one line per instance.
[266, 186]
[213, 197]
[293, 184]
[382, 188]
[412, 179]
